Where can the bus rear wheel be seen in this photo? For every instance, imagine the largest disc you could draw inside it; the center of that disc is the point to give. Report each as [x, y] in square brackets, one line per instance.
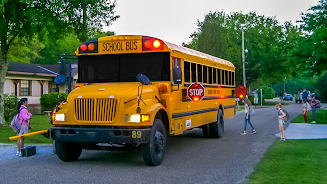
[206, 130]
[217, 128]
[154, 151]
[68, 151]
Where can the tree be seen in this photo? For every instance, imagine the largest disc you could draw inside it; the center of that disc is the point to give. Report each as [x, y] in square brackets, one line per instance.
[25, 50]
[88, 16]
[310, 53]
[221, 35]
[51, 19]
[22, 19]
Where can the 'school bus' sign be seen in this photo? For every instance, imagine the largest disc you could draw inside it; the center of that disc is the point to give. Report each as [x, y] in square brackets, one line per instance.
[195, 92]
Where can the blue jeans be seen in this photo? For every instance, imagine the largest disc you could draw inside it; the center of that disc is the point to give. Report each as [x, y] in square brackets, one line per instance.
[247, 120]
[313, 112]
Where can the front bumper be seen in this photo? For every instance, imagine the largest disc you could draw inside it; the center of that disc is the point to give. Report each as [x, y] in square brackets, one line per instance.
[100, 135]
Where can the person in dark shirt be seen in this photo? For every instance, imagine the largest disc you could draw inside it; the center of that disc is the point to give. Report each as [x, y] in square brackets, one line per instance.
[304, 94]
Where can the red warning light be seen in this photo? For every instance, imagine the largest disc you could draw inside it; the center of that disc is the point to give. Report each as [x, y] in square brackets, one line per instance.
[83, 47]
[196, 99]
[241, 96]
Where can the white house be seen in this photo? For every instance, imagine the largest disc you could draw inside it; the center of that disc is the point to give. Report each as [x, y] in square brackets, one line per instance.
[32, 81]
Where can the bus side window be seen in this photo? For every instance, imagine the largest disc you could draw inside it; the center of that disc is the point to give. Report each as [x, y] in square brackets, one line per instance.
[230, 77]
[210, 75]
[223, 77]
[193, 69]
[219, 76]
[214, 75]
[186, 71]
[233, 73]
[226, 77]
[199, 73]
[205, 74]
[177, 65]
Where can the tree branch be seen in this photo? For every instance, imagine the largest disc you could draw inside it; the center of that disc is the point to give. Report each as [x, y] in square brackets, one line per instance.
[12, 39]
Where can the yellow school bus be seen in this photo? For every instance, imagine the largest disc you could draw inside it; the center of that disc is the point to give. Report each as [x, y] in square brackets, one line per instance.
[137, 90]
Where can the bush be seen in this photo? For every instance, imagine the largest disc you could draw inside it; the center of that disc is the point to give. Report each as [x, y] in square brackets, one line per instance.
[49, 101]
[267, 92]
[10, 106]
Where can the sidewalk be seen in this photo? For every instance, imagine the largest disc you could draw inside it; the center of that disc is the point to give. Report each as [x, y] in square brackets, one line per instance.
[305, 131]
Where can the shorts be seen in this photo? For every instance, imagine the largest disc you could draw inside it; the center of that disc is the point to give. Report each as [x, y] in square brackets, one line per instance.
[281, 121]
[23, 129]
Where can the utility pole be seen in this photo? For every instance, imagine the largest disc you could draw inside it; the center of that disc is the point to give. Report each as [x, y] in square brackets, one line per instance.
[243, 59]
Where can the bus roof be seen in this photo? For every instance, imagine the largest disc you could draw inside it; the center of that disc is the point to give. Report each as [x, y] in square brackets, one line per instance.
[192, 52]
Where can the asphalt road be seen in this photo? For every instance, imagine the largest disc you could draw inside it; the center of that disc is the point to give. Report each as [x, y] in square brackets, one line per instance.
[190, 158]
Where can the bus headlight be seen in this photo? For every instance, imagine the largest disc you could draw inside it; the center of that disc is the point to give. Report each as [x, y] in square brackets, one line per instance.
[138, 118]
[60, 117]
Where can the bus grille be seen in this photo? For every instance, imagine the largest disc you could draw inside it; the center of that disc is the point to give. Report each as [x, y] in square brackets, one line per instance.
[102, 109]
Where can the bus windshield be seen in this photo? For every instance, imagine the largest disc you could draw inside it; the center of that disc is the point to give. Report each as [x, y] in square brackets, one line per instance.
[123, 67]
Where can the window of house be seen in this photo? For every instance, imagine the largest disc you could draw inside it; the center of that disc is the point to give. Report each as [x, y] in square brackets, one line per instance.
[186, 71]
[193, 69]
[219, 76]
[25, 88]
[205, 74]
[214, 75]
[199, 73]
[210, 75]
[53, 87]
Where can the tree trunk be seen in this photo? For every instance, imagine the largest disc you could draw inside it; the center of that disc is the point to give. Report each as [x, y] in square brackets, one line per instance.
[3, 72]
[84, 36]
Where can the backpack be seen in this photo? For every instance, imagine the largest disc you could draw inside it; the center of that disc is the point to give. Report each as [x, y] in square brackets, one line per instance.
[15, 125]
[251, 110]
[318, 105]
[287, 117]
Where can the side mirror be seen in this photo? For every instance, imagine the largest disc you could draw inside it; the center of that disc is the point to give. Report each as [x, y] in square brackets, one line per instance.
[143, 79]
[177, 75]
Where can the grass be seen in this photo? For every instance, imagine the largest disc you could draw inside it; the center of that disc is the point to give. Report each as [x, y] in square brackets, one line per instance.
[321, 117]
[38, 122]
[292, 161]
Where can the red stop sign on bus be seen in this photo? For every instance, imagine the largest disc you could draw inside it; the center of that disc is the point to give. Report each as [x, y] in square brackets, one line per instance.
[195, 92]
[241, 92]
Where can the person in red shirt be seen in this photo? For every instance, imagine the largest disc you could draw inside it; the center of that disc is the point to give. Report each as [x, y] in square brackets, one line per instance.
[23, 117]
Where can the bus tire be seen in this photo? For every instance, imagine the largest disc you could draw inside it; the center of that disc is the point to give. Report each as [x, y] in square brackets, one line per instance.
[68, 151]
[206, 130]
[154, 151]
[217, 128]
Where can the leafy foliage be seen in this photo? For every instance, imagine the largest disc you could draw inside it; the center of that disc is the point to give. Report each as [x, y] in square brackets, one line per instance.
[221, 35]
[49, 101]
[267, 92]
[88, 16]
[11, 106]
[310, 51]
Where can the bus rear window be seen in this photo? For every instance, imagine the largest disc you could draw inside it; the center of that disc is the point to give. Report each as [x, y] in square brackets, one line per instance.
[123, 67]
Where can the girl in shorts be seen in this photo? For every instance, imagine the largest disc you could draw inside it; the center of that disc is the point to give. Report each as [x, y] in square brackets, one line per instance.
[23, 117]
[281, 122]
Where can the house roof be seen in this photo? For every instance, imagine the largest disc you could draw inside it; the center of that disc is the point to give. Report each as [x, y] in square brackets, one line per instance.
[35, 69]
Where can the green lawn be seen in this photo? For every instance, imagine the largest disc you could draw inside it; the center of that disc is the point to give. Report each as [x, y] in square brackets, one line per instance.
[321, 117]
[38, 122]
[292, 161]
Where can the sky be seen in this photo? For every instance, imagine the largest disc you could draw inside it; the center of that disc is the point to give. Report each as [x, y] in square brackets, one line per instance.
[175, 20]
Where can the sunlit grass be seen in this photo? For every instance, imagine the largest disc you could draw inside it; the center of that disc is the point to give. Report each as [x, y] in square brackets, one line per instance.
[38, 122]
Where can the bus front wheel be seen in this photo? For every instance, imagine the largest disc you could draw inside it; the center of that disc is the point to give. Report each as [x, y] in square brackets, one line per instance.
[68, 151]
[217, 128]
[154, 151]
